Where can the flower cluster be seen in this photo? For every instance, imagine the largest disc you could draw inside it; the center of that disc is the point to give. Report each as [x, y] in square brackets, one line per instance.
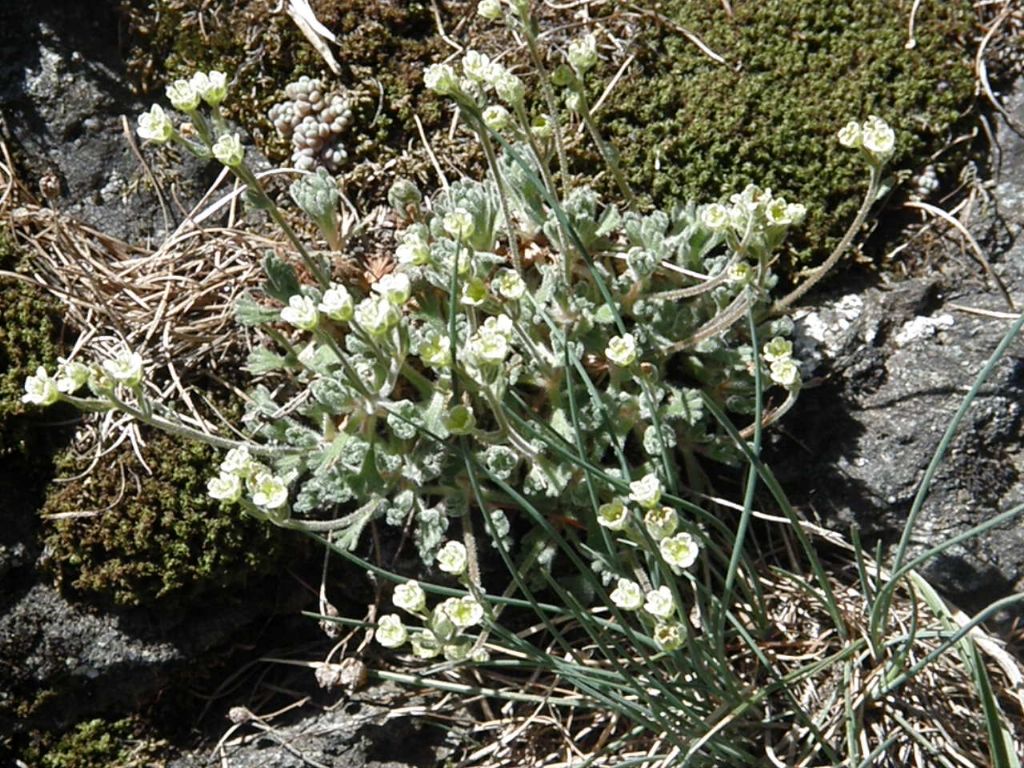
[443, 630]
[239, 471]
[214, 138]
[874, 137]
[313, 118]
[123, 370]
[782, 368]
[480, 75]
[658, 609]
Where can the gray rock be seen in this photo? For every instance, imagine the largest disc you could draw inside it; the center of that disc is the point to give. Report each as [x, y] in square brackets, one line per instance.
[898, 362]
[362, 731]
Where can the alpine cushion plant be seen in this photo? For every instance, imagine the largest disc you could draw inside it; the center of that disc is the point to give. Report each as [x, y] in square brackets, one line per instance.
[531, 348]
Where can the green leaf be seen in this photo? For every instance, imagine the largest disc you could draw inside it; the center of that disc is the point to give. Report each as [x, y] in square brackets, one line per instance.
[264, 361]
[249, 312]
[281, 282]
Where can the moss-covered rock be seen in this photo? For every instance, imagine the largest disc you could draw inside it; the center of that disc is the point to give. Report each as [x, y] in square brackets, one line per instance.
[796, 72]
[146, 537]
[382, 48]
[97, 744]
[29, 337]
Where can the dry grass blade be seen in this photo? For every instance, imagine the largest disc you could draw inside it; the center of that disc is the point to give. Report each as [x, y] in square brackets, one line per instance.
[172, 304]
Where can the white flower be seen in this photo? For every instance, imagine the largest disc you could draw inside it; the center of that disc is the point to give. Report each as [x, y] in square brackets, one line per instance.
[337, 303]
[715, 217]
[541, 127]
[479, 68]
[459, 224]
[614, 515]
[436, 351]
[659, 603]
[441, 79]
[850, 135]
[269, 491]
[460, 420]
[680, 551]
[376, 315]
[661, 522]
[228, 150]
[463, 612]
[487, 347]
[183, 95]
[796, 212]
[509, 284]
[413, 251]
[40, 388]
[500, 325]
[391, 633]
[410, 597]
[646, 491]
[99, 380]
[424, 645]
[237, 461]
[741, 272]
[71, 375]
[212, 86]
[225, 487]
[582, 54]
[627, 595]
[489, 9]
[510, 88]
[126, 368]
[669, 637]
[497, 118]
[155, 126]
[395, 287]
[786, 373]
[452, 558]
[878, 138]
[778, 349]
[621, 350]
[777, 212]
[301, 312]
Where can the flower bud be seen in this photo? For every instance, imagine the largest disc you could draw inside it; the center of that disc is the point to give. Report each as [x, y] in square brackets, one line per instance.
[390, 632]
[404, 196]
[582, 54]
[452, 558]
[489, 9]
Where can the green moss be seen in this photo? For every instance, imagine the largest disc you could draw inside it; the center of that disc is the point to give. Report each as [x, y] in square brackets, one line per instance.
[152, 536]
[29, 337]
[97, 744]
[382, 49]
[797, 71]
